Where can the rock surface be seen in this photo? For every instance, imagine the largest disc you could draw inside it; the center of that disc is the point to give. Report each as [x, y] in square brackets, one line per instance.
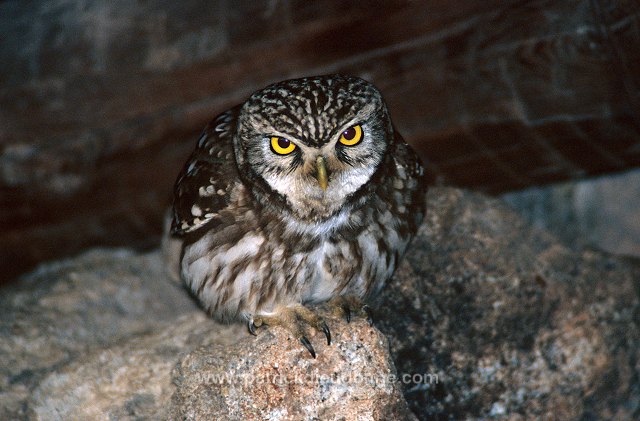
[65, 311]
[486, 318]
[274, 378]
[102, 102]
[515, 325]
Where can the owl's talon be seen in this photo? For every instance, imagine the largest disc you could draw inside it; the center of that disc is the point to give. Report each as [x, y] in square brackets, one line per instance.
[295, 319]
[308, 345]
[346, 306]
[369, 314]
[347, 312]
[327, 332]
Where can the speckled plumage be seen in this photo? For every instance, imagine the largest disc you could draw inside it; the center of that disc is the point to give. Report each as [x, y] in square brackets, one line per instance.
[260, 234]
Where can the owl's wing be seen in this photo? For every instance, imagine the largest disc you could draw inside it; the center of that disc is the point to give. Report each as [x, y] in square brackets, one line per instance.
[407, 158]
[412, 190]
[204, 185]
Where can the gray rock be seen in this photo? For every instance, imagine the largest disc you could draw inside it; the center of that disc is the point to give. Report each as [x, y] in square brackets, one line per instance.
[599, 213]
[66, 309]
[127, 380]
[515, 325]
[486, 318]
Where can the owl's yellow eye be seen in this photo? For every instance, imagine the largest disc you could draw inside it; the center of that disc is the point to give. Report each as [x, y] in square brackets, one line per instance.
[352, 136]
[282, 146]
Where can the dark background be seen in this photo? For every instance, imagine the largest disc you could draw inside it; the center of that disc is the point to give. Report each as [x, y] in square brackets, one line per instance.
[102, 101]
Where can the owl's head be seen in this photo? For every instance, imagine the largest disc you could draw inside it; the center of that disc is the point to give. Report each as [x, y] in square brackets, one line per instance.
[312, 143]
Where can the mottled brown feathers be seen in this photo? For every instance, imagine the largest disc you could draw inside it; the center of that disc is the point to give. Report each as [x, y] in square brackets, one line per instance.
[259, 231]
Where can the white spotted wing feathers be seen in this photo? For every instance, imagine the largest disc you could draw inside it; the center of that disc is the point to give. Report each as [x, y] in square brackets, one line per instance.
[204, 185]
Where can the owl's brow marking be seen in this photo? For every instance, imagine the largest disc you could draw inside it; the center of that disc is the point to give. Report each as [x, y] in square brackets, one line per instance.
[295, 108]
[321, 101]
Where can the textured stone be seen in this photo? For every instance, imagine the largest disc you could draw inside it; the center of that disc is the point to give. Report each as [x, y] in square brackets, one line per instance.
[486, 318]
[66, 309]
[515, 325]
[273, 377]
[101, 102]
[128, 380]
[100, 336]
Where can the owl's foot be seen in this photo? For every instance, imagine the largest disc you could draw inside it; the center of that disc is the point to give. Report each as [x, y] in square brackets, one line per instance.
[347, 306]
[295, 319]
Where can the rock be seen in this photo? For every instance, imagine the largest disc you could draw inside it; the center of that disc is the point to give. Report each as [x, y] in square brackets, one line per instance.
[486, 318]
[273, 377]
[99, 336]
[127, 380]
[514, 325]
[600, 213]
[65, 310]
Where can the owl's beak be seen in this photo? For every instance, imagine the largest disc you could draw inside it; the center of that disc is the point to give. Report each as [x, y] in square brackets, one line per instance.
[323, 178]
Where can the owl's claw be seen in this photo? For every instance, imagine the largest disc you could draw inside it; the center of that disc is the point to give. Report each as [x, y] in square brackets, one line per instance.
[327, 332]
[308, 345]
[369, 314]
[346, 306]
[293, 319]
[347, 312]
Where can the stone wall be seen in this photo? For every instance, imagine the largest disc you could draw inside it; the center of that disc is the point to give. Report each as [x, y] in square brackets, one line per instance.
[101, 101]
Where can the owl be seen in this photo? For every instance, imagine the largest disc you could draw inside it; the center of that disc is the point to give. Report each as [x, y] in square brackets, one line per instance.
[303, 194]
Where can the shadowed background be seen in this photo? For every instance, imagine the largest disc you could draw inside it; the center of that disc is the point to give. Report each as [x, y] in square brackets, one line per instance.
[102, 101]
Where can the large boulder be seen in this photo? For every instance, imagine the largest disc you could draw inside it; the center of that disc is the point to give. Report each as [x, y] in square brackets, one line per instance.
[486, 318]
[514, 324]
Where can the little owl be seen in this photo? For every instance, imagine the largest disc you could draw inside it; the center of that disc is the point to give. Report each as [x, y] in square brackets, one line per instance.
[303, 194]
